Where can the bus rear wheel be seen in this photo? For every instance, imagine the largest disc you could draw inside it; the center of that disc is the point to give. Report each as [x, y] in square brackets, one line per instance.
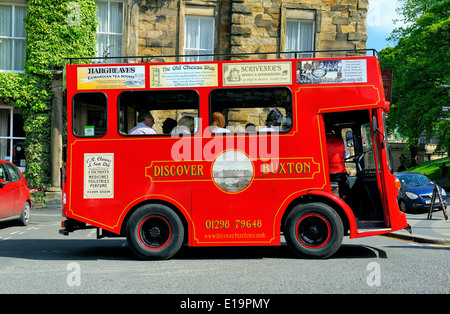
[313, 230]
[154, 232]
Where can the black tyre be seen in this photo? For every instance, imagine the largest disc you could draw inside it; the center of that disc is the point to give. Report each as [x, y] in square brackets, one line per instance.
[155, 232]
[313, 230]
[402, 206]
[25, 215]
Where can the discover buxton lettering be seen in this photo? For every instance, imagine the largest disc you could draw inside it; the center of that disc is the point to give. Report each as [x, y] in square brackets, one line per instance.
[194, 170]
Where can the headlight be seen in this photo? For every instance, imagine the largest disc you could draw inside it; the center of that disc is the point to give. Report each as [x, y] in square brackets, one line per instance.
[411, 195]
[443, 192]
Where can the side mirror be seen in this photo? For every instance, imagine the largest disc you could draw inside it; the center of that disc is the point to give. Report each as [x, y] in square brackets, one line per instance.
[2, 183]
[349, 138]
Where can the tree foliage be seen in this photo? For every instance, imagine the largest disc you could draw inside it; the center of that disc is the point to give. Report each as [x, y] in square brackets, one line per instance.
[421, 63]
[57, 30]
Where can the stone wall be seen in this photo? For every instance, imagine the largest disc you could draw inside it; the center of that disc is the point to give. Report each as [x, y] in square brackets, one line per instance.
[243, 26]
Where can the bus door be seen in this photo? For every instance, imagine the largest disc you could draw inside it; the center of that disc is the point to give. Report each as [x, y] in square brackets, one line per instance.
[382, 170]
[362, 187]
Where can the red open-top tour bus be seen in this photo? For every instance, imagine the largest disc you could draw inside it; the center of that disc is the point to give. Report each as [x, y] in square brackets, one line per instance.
[254, 152]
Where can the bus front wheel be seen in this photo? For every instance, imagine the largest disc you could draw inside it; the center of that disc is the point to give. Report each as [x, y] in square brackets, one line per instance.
[154, 232]
[313, 230]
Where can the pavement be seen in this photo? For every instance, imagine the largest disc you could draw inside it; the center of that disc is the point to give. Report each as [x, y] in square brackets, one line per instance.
[433, 231]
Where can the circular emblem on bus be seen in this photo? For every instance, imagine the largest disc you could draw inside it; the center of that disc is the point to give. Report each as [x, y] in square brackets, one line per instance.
[232, 171]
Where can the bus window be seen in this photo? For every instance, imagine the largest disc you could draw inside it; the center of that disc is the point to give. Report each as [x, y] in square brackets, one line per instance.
[369, 158]
[253, 109]
[89, 114]
[174, 112]
[347, 135]
[388, 153]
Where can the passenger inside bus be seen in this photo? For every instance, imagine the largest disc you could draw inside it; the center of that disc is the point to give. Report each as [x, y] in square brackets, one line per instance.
[144, 126]
[168, 125]
[250, 128]
[185, 126]
[218, 123]
[273, 121]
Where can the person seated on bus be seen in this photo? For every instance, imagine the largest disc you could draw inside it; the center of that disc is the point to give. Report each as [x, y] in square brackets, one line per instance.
[218, 123]
[144, 126]
[336, 162]
[250, 128]
[273, 121]
[185, 126]
[168, 125]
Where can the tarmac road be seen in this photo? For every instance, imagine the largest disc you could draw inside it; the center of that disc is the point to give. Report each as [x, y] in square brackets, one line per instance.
[37, 259]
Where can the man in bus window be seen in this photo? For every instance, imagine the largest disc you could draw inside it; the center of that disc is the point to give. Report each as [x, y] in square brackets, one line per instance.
[144, 126]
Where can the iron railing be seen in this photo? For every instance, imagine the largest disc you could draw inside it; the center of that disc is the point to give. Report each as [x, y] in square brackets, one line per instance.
[222, 57]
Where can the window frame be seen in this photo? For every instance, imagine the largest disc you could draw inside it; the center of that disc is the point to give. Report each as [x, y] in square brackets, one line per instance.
[108, 33]
[73, 115]
[197, 125]
[14, 38]
[299, 23]
[278, 132]
[11, 170]
[198, 57]
[12, 135]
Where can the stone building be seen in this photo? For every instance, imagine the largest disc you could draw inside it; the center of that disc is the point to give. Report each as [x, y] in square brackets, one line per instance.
[177, 27]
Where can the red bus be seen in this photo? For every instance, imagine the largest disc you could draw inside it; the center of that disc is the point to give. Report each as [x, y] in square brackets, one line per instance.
[229, 153]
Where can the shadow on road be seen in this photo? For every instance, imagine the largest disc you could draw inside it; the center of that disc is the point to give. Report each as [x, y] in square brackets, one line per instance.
[116, 249]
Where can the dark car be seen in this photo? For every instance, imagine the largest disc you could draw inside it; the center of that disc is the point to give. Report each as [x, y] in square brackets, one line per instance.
[15, 201]
[416, 192]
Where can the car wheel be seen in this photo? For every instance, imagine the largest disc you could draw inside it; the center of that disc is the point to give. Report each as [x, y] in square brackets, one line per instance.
[402, 206]
[155, 232]
[25, 215]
